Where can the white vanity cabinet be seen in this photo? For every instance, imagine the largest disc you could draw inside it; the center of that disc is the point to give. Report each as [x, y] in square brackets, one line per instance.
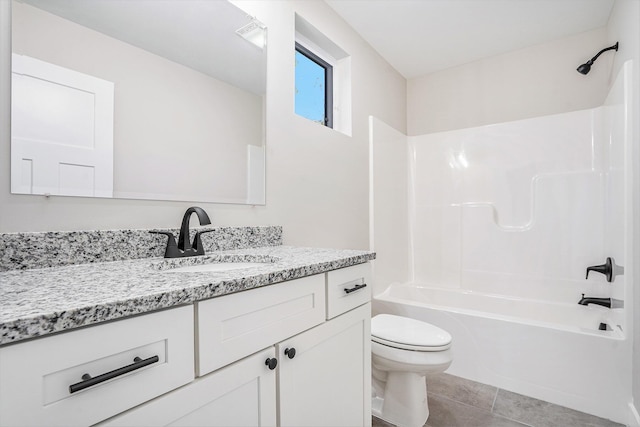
[322, 370]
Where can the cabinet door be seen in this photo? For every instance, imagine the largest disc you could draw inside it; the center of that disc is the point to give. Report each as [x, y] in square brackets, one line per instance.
[241, 394]
[328, 380]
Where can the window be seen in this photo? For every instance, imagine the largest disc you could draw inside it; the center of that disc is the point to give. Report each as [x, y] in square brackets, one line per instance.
[322, 78]
[314, 87]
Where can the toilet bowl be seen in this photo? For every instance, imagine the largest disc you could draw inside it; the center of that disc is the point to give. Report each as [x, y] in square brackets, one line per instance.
[403, 351]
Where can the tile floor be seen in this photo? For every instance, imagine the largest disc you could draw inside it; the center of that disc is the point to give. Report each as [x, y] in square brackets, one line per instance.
[457, 402]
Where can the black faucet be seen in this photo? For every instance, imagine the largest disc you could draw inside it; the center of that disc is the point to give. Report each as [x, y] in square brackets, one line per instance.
[605, 302]
[185, 248]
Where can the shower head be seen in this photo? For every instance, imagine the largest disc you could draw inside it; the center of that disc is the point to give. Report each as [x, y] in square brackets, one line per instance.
[586, 67]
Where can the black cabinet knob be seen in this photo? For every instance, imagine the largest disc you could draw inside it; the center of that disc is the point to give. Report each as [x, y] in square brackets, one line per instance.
[271, 362]
[290, 352]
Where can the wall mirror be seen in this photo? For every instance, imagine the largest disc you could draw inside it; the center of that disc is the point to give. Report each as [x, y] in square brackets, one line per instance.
[142, 99]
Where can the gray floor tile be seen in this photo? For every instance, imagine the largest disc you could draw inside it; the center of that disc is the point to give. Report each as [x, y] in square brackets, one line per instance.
[462, 390]
[377, 422]
[538, 413]
[448, 413]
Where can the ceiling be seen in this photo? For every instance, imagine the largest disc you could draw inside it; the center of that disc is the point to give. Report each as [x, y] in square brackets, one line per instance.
[418, 37]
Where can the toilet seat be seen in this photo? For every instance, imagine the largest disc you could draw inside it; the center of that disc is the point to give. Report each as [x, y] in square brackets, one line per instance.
[408, 334]
[402, 346]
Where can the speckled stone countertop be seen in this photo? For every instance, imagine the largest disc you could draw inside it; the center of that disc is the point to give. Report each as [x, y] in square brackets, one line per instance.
[37, 302]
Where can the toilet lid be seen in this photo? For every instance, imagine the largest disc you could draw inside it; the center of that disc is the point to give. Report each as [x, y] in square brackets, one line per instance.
[404, 332]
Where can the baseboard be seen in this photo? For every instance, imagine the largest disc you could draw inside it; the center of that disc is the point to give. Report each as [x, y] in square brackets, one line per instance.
[634, 419]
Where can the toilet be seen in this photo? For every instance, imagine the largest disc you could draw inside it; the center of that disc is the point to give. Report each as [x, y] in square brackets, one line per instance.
[403, 351]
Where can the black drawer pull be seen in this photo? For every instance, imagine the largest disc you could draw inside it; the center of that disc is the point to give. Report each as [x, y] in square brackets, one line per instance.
[88, 380]
[355, 288]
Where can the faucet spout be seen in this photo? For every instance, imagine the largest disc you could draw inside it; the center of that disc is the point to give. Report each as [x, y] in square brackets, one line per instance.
[183, 239]
[605, 302]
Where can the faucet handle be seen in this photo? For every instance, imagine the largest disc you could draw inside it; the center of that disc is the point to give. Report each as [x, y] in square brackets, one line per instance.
[606, 269]
[171, 251]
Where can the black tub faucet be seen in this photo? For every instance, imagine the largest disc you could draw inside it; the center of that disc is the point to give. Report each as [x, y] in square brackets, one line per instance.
[605, 302]
[185, 248]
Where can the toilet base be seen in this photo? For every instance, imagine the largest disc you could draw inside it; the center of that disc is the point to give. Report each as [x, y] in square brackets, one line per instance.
[404, 400]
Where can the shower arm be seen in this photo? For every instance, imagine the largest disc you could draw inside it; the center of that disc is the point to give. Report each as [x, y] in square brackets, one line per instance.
[592, 60]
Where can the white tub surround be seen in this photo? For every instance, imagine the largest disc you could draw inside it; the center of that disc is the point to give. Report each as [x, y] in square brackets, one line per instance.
[523, 208]
[520, 207]
[37, 302]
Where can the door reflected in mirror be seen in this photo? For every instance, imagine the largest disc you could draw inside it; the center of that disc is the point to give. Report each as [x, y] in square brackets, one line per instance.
[138, 99]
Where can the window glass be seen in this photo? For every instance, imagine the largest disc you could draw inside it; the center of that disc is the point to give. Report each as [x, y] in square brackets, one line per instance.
[313, 87]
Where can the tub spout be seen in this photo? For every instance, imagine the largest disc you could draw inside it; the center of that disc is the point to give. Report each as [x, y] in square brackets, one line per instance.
[605, 302]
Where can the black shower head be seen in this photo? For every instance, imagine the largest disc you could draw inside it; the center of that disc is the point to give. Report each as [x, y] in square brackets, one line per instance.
[586, 67]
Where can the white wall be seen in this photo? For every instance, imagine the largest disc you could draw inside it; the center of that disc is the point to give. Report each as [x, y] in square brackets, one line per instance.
[624, 26]
[317, 178]
[531, 82]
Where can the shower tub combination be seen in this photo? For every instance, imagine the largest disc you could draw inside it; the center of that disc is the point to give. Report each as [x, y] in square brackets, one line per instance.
[551, 351]
[500, 235]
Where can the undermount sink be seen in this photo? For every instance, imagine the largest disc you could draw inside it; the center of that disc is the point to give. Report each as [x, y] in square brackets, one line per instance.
[212, 263]
[214, 266]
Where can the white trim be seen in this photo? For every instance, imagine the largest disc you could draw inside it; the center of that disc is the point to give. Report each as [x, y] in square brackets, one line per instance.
[634, 416]
[315, 49]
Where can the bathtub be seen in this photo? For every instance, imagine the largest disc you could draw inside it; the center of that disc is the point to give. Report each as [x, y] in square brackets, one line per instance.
[550, 351]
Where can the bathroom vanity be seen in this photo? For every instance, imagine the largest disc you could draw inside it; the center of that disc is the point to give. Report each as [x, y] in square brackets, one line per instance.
[217, 348]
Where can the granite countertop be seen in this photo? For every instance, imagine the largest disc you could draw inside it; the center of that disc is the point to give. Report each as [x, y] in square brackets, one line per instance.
[42, 301]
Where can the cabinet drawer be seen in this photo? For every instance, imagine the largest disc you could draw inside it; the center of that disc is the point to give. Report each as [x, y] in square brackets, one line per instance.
[348, 288]
[40, 391]
[237, 325]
